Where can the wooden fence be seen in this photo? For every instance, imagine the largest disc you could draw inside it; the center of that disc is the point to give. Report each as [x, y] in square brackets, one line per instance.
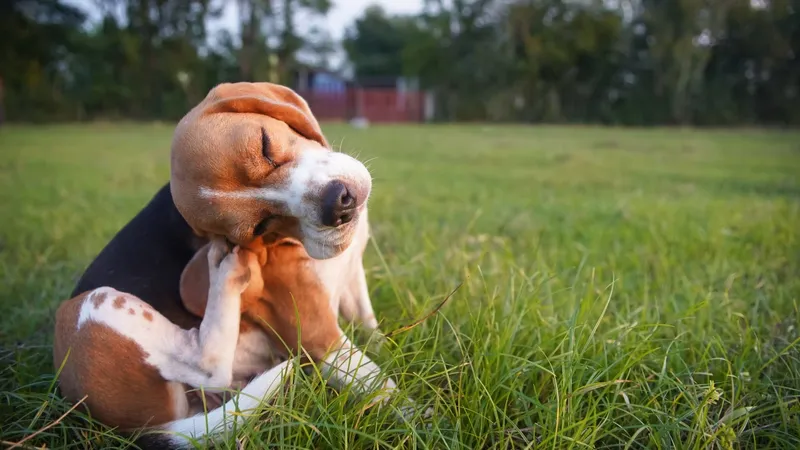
[374, 104]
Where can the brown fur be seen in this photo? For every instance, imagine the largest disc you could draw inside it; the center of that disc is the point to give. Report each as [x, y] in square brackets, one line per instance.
[121, 389]
[218, 145]
[284, 294]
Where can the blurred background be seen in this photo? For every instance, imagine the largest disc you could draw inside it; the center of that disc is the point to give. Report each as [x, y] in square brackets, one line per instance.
[631, 62]
[620, 288]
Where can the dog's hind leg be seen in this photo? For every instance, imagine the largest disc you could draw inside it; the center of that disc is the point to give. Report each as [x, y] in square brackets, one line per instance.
[205, 356]
[199, 357]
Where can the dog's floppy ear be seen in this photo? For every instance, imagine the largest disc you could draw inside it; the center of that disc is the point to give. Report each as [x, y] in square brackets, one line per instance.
[273, 100]
[195, 279]
[194, 282]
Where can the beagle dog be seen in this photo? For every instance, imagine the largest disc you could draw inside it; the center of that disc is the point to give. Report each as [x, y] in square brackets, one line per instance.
[249, 166]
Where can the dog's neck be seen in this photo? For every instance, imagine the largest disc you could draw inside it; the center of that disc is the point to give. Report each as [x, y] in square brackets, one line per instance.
[286, 293]
[292, 295]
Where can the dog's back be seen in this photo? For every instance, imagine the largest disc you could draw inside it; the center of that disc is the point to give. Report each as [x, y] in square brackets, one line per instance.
[146, 258]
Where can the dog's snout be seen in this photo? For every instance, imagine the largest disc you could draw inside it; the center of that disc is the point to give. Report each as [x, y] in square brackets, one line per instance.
[338, 204]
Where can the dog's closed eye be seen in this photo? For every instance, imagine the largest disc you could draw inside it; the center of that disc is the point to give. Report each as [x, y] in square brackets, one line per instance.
[265, 147]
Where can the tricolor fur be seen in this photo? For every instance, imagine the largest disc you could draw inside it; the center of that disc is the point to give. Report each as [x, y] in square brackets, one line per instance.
[250, 165]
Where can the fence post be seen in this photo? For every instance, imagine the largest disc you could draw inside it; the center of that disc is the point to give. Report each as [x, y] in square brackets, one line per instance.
[359, 103]
[430, 106]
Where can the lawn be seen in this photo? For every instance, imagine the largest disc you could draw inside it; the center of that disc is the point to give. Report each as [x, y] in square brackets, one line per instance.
[621, 288]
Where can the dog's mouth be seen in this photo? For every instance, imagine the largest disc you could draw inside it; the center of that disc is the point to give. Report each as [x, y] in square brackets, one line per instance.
[322, 242]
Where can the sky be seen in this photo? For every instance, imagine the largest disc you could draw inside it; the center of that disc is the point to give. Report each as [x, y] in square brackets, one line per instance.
[344, 12]
[341, 16]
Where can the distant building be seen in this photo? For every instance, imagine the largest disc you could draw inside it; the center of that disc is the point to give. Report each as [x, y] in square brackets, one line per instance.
[309, 79]
[333, 96]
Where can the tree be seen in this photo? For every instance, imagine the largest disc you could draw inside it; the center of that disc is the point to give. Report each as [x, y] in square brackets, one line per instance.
[460, 52]
[376, 42]
[567, 56]
[610, 61]
[37, 36]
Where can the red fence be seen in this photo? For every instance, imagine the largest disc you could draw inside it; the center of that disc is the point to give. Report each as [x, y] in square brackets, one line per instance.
[375, 105]
[327, 105]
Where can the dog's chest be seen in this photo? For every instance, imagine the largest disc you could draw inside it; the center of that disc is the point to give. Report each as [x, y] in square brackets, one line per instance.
[332, 275]
[338, 274]
[255, 353]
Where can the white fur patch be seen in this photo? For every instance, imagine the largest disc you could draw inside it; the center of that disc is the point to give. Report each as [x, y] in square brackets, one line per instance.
[268, 194]
[349, 366]
[158, 338]
[235, 410]
[201, 357]
[335, 273]
[309, 174]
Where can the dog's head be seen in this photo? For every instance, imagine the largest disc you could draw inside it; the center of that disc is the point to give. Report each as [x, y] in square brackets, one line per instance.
[250, 162]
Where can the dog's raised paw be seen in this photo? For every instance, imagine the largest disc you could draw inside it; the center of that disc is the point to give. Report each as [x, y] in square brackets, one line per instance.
[233, 271]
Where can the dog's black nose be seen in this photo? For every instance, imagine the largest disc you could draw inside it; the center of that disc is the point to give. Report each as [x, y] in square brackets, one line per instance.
[338, 204]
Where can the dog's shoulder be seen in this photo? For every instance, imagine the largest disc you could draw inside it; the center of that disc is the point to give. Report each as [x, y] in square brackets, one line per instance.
[146, 257]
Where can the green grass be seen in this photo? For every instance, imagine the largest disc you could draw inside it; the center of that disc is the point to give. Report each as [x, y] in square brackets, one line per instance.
[622, 288]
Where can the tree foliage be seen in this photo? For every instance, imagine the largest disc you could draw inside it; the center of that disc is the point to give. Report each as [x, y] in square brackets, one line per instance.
[629, 62]
[642, 62]
[145, 59]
